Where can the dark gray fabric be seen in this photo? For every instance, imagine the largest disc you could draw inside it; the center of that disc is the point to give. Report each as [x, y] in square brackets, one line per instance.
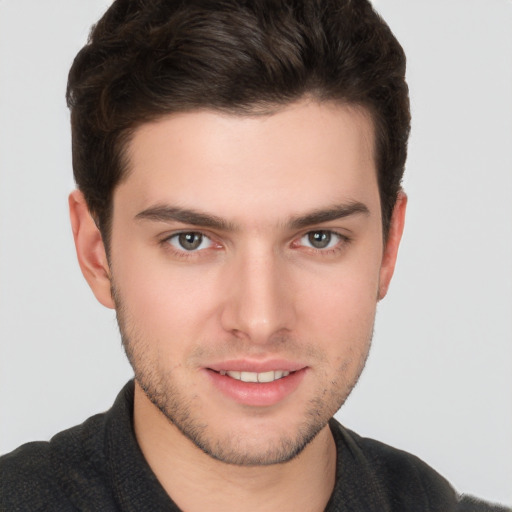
[98, 466]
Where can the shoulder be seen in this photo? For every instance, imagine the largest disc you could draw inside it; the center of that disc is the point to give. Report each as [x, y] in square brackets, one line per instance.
[28, 479]
[397, 479]
[52, 475]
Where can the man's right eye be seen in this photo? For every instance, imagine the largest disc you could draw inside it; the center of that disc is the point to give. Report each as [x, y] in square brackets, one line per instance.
[189, 241]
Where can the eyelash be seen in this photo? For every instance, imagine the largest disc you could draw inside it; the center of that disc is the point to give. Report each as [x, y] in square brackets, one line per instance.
[343, 241]
[183, 253]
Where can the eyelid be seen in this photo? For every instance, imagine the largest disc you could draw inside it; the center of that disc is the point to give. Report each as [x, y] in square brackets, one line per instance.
[343, 239]
[180, 231]
[165, 240]
[204, 241]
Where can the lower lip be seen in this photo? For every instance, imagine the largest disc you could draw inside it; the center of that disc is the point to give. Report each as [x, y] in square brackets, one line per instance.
[257, 394]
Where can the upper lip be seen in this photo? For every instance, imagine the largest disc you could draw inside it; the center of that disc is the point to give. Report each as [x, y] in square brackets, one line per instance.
[247, 365]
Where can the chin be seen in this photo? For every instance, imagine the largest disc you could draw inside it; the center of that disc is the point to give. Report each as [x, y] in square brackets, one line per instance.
[255, 449]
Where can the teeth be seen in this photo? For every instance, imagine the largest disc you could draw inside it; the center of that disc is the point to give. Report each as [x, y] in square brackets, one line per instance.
[248, 377]
[266, 376]
[270, 376]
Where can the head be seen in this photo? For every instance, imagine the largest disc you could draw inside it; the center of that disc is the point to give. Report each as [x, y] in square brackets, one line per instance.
[147, 59]
[239, 167]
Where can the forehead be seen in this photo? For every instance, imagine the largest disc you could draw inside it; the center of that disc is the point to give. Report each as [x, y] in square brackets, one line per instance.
[300, 157]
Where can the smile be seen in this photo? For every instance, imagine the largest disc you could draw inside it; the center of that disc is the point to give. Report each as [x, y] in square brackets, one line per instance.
[238, 381]
[269, 376]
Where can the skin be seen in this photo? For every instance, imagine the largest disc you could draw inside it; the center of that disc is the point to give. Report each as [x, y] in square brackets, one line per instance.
[257, 289]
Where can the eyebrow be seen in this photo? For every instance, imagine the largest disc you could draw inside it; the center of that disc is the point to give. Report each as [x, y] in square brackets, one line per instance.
[185, 216]
[163, 213]
[329, 214]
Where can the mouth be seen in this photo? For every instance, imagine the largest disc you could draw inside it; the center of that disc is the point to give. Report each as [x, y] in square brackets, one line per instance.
[266, 386]
[262, 377]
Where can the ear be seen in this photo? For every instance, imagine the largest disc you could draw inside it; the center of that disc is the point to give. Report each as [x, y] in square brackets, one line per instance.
[90, 250]
[389, 256]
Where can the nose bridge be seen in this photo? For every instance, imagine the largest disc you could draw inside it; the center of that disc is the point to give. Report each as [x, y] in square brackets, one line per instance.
[258, 305]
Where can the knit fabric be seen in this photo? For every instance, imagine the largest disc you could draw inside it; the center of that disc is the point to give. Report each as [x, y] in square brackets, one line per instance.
[98, 466]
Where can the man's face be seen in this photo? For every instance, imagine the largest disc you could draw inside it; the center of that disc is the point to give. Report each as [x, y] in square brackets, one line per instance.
[249, 249]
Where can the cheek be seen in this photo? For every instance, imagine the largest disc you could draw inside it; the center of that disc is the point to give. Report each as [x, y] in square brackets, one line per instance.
[339, 309]
[342, 310]
[165, 301]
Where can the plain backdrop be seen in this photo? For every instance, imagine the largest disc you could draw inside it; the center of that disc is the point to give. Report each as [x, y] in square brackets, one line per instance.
[439, 379]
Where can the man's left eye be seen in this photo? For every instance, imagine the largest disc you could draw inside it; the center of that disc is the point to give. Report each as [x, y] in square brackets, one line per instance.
[320, 239]
[190, 241]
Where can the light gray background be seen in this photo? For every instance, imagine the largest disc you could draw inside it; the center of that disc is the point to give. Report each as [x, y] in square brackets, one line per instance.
[439, 379]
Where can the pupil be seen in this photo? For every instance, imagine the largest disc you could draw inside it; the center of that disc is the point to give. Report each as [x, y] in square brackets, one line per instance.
[190, 241]
[319, 239]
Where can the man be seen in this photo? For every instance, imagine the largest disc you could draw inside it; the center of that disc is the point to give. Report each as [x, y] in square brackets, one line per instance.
[239, 205]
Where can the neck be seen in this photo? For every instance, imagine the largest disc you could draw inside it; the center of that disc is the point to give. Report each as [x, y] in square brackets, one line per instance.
[196, 482]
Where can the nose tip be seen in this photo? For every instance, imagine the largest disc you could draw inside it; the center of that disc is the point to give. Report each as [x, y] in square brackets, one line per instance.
[258, 332]
[258, 306]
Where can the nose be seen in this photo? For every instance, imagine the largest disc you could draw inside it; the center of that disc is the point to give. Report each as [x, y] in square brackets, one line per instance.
[258, 304]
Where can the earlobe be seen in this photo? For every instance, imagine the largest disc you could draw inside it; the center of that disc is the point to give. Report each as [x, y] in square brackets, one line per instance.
[90, 249]
[393, 242]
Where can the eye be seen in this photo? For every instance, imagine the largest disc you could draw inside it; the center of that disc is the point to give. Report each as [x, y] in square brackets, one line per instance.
[321, 239]
[189, 241]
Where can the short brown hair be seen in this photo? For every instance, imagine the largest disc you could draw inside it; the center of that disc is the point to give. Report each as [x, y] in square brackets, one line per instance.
[148, 58]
